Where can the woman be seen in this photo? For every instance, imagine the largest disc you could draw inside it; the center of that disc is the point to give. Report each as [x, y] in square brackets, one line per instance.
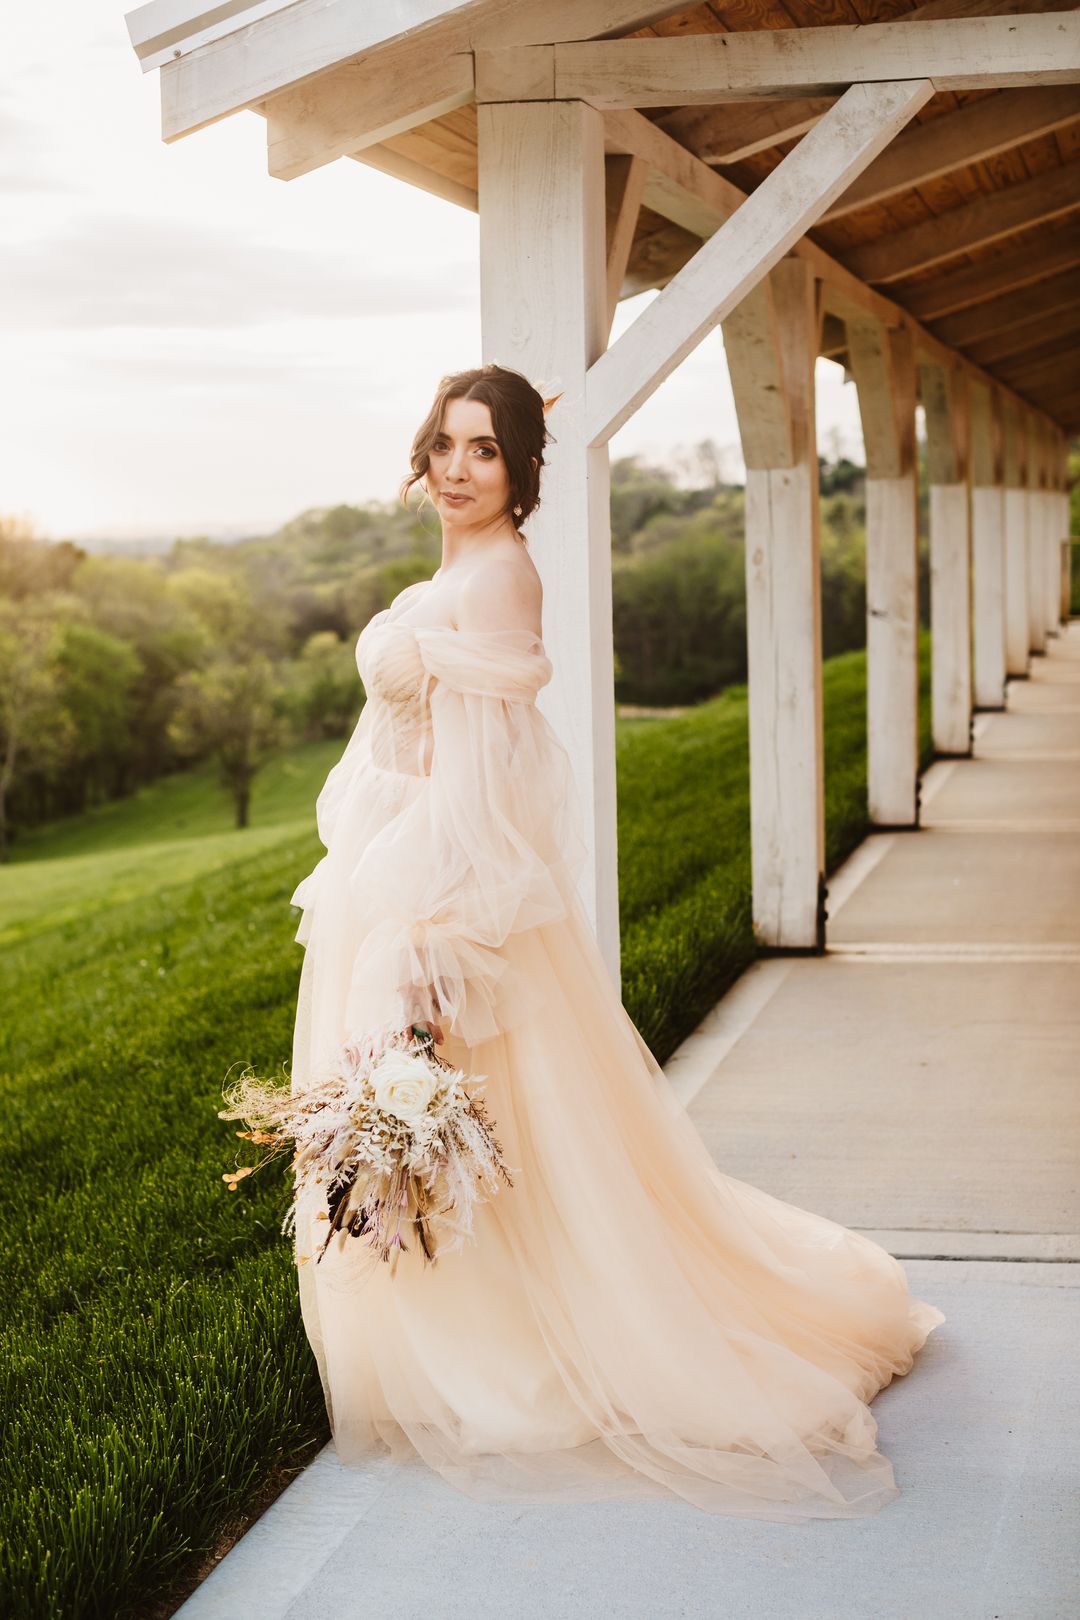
[629, 1321]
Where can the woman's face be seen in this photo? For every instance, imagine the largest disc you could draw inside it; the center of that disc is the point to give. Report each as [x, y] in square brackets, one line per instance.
[466, 461]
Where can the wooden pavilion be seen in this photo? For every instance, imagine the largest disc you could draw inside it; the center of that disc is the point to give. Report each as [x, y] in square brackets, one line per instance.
[894, 186]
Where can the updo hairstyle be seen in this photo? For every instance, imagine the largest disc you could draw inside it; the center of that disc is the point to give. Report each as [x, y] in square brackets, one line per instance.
[517, 419]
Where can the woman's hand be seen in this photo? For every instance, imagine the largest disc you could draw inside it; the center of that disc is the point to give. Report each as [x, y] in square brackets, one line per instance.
[434, 1030]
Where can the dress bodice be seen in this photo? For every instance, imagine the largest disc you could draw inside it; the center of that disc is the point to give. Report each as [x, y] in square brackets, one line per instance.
[392, 670]
[400, 662]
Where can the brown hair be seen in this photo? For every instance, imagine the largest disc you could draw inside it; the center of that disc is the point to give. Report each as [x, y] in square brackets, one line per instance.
[517, 417]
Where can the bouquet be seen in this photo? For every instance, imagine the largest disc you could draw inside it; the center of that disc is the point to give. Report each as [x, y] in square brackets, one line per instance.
[399, 1138]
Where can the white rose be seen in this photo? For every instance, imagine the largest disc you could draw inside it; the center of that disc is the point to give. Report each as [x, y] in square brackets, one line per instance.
[403, 1085]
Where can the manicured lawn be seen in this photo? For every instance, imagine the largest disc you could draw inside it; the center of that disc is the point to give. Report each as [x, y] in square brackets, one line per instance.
[153, 1364]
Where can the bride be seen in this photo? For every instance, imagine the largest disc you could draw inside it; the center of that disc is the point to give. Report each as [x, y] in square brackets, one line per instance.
[629, 1321]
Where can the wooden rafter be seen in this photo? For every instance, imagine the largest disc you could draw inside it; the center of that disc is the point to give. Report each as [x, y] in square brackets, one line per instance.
[1005, 272]
[1000, 315]
[976, 131]
[737, 132]
[421, 175]
[1020, 340]
[988, 218]
[1045, 364]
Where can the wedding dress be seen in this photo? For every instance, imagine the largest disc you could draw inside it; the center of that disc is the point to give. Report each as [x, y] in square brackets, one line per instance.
[629, 1321]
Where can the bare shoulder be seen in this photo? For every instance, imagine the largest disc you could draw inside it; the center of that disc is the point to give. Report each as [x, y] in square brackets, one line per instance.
[504, 593]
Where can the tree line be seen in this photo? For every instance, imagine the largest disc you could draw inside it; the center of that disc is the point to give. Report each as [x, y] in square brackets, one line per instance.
[117, 670]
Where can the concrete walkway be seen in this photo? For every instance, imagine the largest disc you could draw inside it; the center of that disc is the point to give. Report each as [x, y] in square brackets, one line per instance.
[918, 1082]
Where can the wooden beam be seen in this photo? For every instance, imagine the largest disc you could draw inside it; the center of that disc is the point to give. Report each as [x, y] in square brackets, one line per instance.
[1005, 272]
[679, 186]
[976, 131]
[625, 186]
[1000, 315]
[317, 122]
[738, 131]
[833, 337]
[987, 219]
[724, 270]
[1053, 327]
[975, 53]
[309, 37]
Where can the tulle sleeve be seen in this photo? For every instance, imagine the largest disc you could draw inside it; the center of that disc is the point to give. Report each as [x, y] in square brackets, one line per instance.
[489, 851]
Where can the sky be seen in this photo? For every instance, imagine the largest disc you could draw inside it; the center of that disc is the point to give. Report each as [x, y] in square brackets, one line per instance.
[188, 346]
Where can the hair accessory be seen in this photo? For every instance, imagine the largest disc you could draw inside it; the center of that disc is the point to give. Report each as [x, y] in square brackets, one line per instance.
[550, 389]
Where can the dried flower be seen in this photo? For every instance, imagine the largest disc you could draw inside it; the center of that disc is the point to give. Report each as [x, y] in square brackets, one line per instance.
[395, 1138]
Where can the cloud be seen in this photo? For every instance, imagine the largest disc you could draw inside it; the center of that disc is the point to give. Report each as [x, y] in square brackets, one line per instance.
[25, 149]
[120, 270]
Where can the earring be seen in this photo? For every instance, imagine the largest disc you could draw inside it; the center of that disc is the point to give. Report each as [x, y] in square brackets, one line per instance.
[517, 511]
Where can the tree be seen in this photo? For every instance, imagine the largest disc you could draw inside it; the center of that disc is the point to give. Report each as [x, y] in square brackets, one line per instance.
[34, 728]
[324, 692]
[96, 676]
[230, 710]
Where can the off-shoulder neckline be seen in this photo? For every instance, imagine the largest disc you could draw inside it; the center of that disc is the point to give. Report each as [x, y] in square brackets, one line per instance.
[452, 629]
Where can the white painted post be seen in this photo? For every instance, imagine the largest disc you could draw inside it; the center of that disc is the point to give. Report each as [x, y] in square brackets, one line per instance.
[1052, 537]
[1016, 516]
[1063, 528]
[1036, 539]
[543, 293]
[882, 362]
[771, 344]
[944, 400]
[988, 545]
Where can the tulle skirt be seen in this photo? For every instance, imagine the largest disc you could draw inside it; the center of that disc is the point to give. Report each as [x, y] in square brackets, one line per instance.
[630, 1321]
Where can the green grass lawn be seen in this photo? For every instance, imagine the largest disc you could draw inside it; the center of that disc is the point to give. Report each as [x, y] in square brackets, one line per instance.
[157, 1382]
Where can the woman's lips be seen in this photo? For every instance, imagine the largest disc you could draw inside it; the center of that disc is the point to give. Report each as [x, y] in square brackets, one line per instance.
[457, 500]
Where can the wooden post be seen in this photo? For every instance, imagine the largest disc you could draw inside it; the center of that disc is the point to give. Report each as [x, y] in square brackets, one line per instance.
[882, 362]
[1036, 539]
[1016, 514]
[988, 545]
[544, 309]
[1051, 536]
[1063, 528]
[771, 345]
[944, 401]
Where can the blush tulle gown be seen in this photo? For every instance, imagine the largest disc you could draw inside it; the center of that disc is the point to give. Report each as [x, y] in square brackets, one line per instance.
[629, 1322]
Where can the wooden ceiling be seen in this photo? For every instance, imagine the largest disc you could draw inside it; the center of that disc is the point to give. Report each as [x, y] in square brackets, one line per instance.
[970, 220]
